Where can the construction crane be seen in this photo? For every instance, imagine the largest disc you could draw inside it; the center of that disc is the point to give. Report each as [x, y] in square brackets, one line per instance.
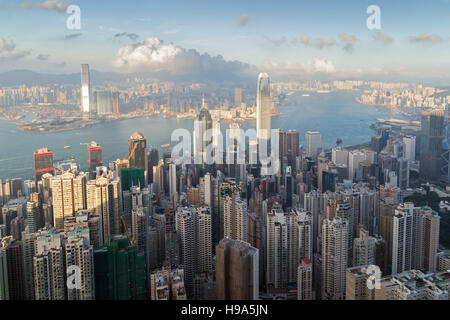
[130, 236]
[127, 162]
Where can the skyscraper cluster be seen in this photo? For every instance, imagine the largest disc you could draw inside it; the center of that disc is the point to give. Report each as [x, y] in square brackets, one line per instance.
[144, 227]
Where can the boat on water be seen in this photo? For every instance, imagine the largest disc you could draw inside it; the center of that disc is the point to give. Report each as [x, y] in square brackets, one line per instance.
[67, 147]
[305, 95]
[165, 146]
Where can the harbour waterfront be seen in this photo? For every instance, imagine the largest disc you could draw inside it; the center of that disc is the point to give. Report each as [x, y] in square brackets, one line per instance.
[335, 115]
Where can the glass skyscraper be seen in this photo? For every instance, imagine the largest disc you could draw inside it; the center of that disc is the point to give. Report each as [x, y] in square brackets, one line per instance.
[263, 107]
[85, 88]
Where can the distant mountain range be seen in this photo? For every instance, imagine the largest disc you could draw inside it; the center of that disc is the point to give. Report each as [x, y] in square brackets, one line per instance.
[31, 78]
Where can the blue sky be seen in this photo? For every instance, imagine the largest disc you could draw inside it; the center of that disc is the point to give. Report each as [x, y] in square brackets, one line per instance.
[415, 33]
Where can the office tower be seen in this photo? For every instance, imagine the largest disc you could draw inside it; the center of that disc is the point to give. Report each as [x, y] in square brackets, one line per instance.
[85, 89]
[17, 227]
[445, 158]
[43, 163]
[356, 283]
[237, 97]
[94, 156]
[334, 257]
[202, 124]
[305, 280]
[173, 182]
[431, 145]
[104, 103]
[33, 216]
[115, 103]
[203, 240]
[237, 274]
[339, 155]
[410, 148]
[235, 217]
[364, 249]
[29, 187]
[185, 226]
[137, 151]
[16, 187]
[263, 108]
[78, 252]
[48, 266]
[139, 228]
[402, 173]
[355, 157]
[426, 238]
[313, 143]
[153, 159]
[14, 266]
[69, 196]
[289, 187]
[289, 146]
[402, 238]
[119, 271]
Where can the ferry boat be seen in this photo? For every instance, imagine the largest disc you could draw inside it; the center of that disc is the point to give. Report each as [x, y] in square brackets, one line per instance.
[67, 147]
[165, 146]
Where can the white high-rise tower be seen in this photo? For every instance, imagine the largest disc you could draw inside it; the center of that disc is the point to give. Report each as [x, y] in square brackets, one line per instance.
[85, 88]
[263, 107]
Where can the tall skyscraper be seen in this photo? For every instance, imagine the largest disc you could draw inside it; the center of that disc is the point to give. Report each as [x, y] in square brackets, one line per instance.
[402, 238]
[235, 217]
[263, 108]
[410, 148]
[185, 226]
[431, 145]
[14, 267]
[364, 249]
[237, 97]
[203, 240]
[237, 273]
[115, 103]
[313, 143]
[137, 151]
[94, 156]
[103, 199]
[43, 163]
[202, 124]
[334, 257]
[304, 281]
[78, 252]
[104, 102]
[426, 238]
[68, 195]
[85, 89]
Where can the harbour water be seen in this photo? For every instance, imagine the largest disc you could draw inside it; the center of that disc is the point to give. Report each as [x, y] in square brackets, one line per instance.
[335, 115]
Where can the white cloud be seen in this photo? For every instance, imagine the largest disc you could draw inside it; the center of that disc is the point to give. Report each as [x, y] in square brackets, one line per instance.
[318, 65]
[8, 50]
[318, 43]
[48, 5]
[153, 56]
[425, 38]
[382, 37]
[244, 20]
